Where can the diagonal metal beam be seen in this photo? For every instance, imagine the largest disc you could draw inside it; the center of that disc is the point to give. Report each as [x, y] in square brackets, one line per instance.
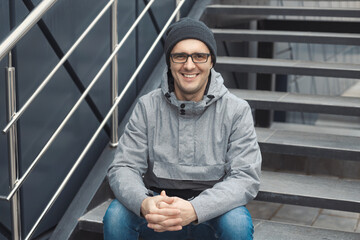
[155, 23]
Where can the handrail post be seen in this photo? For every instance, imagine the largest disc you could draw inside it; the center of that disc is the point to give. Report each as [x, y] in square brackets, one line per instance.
[114, 75]
[13, 150]
[178, 13]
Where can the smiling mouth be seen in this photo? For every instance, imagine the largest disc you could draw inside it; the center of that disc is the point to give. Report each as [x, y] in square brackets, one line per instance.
[189, 75]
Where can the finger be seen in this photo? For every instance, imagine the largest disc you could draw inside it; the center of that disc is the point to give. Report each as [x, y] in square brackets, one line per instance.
[154, 218]
[163, 221]
[163, 193]
[165, 205]
[171, 222]
[160, 228]
[158, 219]
[177, 228]
[169, 200]
[164, 198]
[166, 211]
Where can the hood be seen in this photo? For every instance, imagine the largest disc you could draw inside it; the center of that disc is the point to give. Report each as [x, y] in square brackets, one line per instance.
[215, 90]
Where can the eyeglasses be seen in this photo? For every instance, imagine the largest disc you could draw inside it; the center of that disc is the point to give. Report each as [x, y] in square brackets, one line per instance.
[183, 57]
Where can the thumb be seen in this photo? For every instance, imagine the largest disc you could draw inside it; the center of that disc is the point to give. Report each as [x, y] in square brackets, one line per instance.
[168, 200]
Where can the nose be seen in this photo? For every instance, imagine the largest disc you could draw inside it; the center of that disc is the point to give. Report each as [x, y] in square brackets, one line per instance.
[189, 64]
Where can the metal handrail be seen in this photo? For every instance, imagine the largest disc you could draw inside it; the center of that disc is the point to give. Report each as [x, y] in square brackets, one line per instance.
[16, 35]
[108, 115]
[25, 26]
[77, 104]
[18, 114]
[38, 90]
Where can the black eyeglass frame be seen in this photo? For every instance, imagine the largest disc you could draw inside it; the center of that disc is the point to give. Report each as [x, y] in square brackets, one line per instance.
[189, 55]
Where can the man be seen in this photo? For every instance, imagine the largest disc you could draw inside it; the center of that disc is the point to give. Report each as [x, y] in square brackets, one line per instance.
[188, 160]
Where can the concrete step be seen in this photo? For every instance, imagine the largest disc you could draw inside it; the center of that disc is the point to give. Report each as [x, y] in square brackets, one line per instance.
[310, 191]
[92, 220]
[286, 36]
[286, 101]
[283, 11]
[269, 230]
[298, 189]
[287, 67]
[264, 230]
[339, 130]
[317, 143]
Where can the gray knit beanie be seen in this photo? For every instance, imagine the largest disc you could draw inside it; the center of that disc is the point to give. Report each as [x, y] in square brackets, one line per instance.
[188, 28]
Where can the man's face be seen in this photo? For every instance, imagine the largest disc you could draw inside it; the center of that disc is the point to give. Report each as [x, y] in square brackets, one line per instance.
[190, 78]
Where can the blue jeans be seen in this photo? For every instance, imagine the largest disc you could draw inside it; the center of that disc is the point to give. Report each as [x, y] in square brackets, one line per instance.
[121, 223]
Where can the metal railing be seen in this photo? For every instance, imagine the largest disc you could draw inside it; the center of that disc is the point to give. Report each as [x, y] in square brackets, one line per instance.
[25, 26]
[14, 116]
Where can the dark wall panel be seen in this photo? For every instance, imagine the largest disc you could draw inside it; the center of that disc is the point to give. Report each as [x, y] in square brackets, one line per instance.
[35, 58]
[147, 34]
[127, 53]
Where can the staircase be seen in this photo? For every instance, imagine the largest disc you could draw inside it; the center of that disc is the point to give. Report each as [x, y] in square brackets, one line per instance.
[275, 138]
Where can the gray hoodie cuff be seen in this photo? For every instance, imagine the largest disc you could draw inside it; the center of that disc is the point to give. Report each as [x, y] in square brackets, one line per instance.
[201, 212]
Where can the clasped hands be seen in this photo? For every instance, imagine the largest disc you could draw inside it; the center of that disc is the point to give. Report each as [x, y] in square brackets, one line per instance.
[164, 213]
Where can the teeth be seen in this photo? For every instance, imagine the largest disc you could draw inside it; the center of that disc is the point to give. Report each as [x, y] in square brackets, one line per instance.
[190, 76]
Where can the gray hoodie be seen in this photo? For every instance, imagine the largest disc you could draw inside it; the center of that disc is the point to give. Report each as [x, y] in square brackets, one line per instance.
[208, 145]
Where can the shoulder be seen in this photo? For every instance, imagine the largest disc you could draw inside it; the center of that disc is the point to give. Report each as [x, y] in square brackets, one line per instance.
[238, 112]
[154, 93]
[151, 97]
[152, 101]
[235, 104]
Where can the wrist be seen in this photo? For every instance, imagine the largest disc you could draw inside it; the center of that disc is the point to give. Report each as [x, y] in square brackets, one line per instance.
[194, 218]
[143, 208]
[193, 215]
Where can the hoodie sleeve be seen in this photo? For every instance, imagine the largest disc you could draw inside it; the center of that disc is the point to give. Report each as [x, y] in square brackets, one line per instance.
[130, 163]
[242, 180]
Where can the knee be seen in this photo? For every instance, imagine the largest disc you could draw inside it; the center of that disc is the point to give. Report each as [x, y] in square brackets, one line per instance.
[115, 214]
[121, 223]
[236, 224]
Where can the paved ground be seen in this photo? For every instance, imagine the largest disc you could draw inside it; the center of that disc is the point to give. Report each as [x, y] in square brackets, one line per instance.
[323, 218]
